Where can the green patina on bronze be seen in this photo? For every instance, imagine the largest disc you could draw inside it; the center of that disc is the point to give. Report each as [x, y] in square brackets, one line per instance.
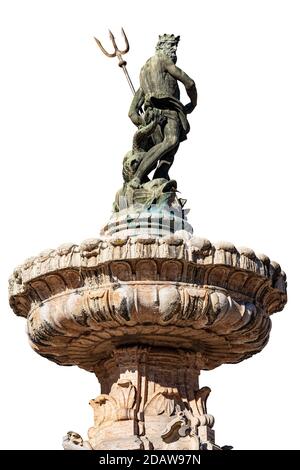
[162, 125]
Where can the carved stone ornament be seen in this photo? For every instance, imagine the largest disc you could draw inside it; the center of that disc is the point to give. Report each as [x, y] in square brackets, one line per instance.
[215, 300]
[187, 303]
[148, 305]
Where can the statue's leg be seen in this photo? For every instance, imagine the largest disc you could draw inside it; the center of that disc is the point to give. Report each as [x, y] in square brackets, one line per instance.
[170, 143]
[162, 170]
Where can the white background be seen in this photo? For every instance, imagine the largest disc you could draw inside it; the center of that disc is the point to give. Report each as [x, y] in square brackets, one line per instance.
[64, 131]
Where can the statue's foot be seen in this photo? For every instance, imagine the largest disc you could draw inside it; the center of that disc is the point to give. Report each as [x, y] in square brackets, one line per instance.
[135, 183]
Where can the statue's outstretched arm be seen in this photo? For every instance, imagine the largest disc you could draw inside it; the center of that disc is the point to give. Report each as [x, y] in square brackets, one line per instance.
[136, 107]
[189, 84]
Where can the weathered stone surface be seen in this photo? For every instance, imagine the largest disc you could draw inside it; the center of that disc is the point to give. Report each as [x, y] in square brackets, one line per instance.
[150, 400]
[146, 314]
[73, 441]
[174, 291]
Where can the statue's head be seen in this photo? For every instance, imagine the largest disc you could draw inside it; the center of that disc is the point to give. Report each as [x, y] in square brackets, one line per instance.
[167, 44]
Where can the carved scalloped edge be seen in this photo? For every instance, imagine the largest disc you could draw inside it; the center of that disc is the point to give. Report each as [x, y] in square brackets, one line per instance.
[91, 253]
[246, 338]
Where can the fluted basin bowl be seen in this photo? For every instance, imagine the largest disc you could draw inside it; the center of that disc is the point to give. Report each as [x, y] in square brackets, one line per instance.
[83, 301]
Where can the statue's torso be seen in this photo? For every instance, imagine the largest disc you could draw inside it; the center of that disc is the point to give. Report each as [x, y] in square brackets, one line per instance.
[156, 81]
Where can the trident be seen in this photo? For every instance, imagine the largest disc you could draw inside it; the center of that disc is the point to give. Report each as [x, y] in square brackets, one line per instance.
[117, 53]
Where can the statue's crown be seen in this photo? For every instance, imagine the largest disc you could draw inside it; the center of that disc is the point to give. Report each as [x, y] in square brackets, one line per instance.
[168, 37]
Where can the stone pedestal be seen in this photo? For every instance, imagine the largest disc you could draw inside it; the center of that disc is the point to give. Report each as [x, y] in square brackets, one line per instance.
[150, 400]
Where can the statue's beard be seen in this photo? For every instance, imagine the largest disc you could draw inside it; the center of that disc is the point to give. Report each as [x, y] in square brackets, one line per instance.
[171, 54]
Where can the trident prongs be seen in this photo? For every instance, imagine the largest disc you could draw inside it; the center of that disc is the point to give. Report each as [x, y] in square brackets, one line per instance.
[118, 53]
[112, 37]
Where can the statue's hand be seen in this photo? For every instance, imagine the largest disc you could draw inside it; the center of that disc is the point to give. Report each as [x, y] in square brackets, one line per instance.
[153, 114]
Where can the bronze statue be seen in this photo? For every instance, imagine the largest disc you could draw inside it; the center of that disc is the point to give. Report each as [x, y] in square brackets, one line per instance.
[162, 124]
[157, 104]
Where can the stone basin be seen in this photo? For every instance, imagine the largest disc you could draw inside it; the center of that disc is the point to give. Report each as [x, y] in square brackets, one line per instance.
[84, 301]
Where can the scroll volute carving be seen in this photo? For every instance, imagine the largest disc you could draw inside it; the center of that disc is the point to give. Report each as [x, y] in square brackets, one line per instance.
[201, 397]
[161, 402]
[117, 406]
[124, 393]
[183, 424]
[104, 408]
